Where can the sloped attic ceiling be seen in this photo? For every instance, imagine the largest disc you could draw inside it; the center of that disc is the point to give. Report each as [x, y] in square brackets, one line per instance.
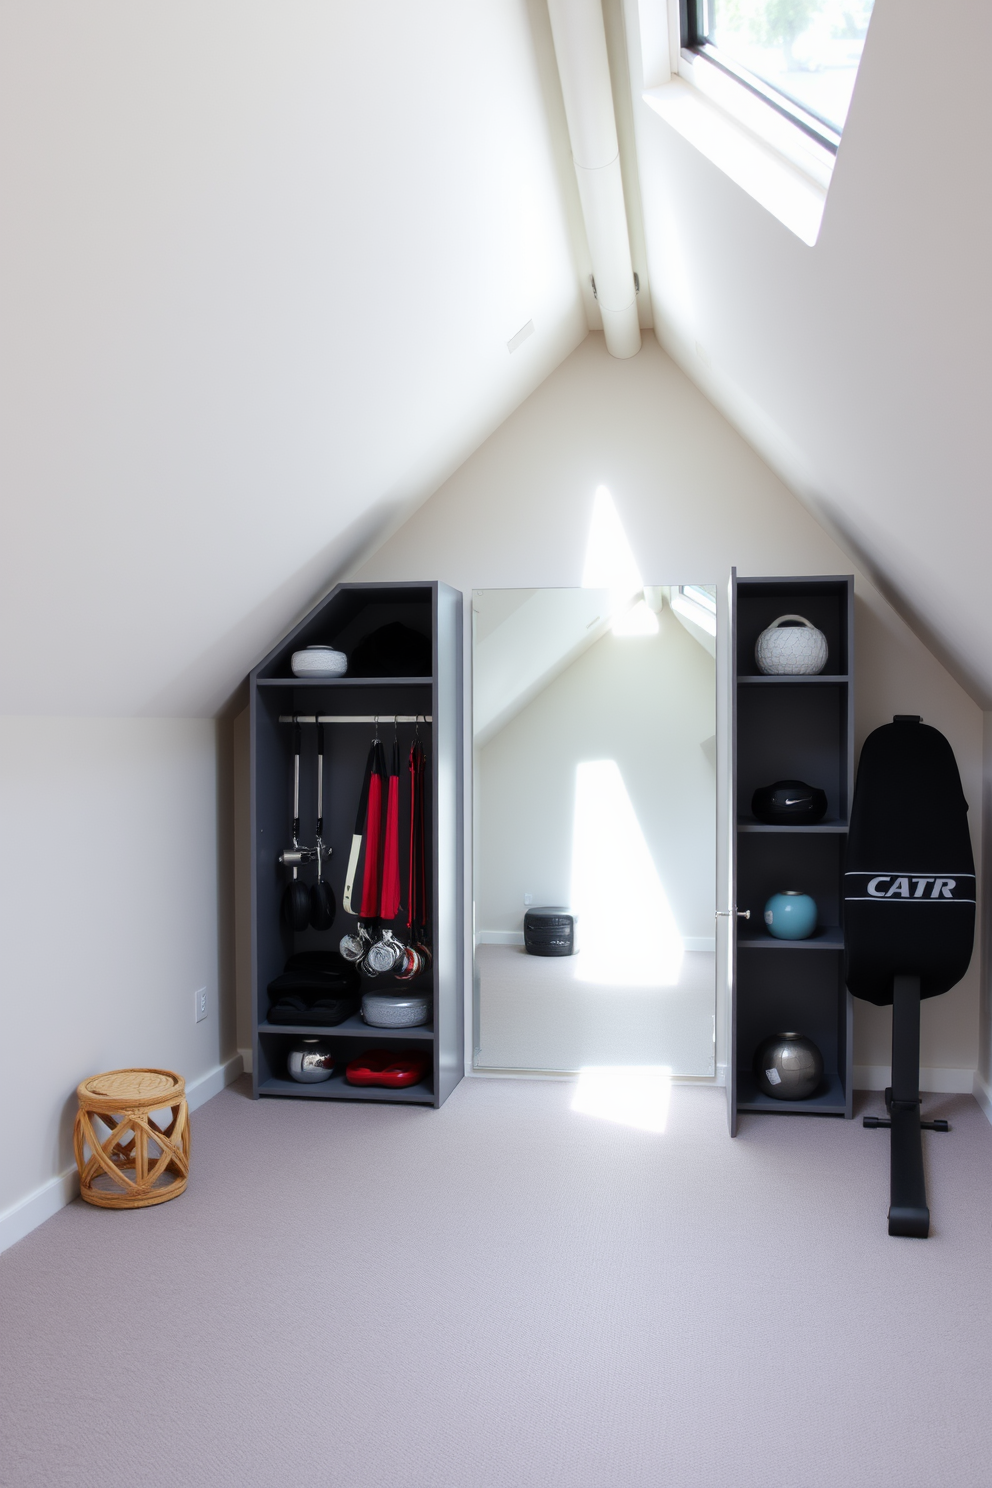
[261, 263]
[859, 368]
[260, 267]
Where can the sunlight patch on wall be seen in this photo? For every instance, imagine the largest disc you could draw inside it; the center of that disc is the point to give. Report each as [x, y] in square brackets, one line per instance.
[630, 1095]
[610, 564]
[626, 930]
[637, 621]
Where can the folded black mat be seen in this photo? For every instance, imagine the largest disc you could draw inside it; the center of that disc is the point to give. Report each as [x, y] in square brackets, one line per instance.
[326, 1012]
[319, 988]
[311, 974]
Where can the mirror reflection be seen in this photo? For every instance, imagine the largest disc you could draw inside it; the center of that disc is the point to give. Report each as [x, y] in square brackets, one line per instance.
[595, 800]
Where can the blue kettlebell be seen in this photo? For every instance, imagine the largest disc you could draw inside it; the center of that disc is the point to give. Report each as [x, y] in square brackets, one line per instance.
[790, 915]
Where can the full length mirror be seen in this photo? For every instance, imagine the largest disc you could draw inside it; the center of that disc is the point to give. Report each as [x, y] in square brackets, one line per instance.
[594, 828]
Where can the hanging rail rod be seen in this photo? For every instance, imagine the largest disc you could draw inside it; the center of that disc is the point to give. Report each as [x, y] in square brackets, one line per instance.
[356, 718]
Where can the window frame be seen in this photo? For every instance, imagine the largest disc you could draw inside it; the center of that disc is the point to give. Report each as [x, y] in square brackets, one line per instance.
[696, 603]
[703, 595]
[695, 47]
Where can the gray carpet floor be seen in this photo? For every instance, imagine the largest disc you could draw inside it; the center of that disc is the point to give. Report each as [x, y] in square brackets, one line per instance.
[506, 1294]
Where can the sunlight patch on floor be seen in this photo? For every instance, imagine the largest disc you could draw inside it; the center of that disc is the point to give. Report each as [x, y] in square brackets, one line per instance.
[629, 1095]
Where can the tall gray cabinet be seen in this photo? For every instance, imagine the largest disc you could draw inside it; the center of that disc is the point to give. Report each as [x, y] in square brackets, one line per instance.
[351, 705]
[791, 728]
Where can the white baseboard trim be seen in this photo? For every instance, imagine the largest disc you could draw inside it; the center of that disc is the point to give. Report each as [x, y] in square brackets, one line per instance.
[516, 938]
[21, 1218]
[27, 1214]
[212, 1083]
[493, 1072]
[486, 1072]
[983, 1095]
[939, 1081]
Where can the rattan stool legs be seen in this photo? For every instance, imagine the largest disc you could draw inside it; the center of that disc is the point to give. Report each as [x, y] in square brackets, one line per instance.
[120, 1172]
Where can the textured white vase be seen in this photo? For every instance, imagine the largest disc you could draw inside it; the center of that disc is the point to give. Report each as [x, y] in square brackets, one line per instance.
[319, 661]
[796, 650]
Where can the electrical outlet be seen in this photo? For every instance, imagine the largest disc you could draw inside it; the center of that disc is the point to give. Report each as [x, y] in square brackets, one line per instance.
[200, 997]
[528, 897]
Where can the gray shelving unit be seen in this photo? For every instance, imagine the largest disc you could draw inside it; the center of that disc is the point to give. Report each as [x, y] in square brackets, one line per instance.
[349, 613]
[791, 728]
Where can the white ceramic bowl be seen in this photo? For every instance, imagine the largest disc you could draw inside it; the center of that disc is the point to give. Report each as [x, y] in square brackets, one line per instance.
[797, 650]
[396, 1010]
[319, 661]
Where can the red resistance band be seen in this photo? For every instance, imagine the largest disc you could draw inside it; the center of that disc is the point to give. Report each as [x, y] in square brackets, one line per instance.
[417, 907]
[390, 906]
[373, 835]
[381, 888]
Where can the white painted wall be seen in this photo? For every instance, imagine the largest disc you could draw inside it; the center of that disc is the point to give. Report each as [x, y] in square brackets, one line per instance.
[647, 702]
[260, 264]
[694, 499]
[112, 914]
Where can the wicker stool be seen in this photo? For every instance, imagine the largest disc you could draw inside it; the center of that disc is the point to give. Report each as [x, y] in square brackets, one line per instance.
[118, 1174]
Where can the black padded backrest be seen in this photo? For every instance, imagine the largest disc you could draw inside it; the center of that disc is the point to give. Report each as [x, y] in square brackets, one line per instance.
[909, 874]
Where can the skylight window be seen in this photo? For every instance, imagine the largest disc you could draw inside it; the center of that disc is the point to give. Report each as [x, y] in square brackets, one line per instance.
[762, 88]
[800, 56]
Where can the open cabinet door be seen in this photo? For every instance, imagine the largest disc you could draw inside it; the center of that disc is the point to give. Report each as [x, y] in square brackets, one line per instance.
[726, 865]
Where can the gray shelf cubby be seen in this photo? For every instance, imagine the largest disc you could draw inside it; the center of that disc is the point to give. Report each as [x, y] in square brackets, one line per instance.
[799, 728]
[350, 613]
[337, 1088]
